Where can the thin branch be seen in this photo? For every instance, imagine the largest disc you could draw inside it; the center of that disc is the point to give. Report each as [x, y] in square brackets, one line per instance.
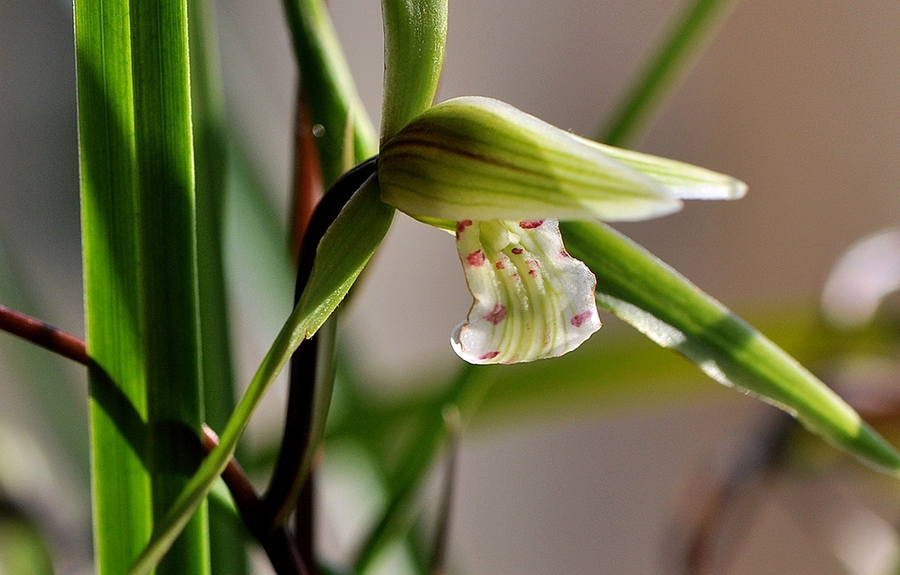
[697, 544]
[289, 475]
[43, 334]
[279, 546]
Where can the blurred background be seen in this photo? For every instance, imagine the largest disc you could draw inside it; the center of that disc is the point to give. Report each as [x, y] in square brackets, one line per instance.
[797, 98]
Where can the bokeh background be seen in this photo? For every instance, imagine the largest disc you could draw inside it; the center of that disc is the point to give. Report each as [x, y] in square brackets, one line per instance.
[796, 97]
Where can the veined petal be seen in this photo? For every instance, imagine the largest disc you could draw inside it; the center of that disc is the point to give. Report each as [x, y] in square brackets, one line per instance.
[480, 159]
[684, 181]
[532, 300]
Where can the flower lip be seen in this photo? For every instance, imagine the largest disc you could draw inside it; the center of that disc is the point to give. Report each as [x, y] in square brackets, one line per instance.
[531, 299]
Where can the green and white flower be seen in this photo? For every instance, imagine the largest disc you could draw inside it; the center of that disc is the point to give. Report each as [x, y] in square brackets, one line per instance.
[502, 179]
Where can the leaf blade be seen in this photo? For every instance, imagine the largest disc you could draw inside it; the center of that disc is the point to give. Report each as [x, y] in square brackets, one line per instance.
[674, 313]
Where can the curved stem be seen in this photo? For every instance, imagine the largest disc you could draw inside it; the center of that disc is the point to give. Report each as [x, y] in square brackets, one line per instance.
[673, 57]
[278, 545]
[310, 381]
[43, 334]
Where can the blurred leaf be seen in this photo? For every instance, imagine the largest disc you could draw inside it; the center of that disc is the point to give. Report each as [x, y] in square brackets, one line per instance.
[227, 555]
[23, 550]
[675, 314]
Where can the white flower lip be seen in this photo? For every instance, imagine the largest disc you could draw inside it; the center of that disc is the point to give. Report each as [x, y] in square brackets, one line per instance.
[532, 300]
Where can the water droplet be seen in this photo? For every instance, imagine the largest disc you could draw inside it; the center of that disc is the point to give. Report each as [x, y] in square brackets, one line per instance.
[318, 130]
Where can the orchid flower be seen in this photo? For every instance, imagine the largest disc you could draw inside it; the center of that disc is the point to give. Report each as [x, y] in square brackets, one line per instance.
[501, 180]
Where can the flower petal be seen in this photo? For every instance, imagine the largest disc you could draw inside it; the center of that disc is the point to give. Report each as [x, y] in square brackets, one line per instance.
[478, 158]
[532, 299]
[684, 181]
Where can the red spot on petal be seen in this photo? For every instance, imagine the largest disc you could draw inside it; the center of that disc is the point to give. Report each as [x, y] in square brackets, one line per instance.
[461, 227]
[515, 277]
[517, 251]
[490, 355]
[500, 265]
[533, 273]
[564, 254]
[531, 224]
[497, 314]
[475, 258]
[581, 318]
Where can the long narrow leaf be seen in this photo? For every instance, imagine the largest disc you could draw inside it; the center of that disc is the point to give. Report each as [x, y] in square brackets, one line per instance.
[674, 313]
[169, 290]
[343, 253]
[140, 272]
[122, 506]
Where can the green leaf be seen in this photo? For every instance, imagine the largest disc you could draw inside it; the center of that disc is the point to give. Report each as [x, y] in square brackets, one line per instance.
[139, 230]
[480, 159]
[675, 314]
[121, 487]
[342, 254]
[415, 35]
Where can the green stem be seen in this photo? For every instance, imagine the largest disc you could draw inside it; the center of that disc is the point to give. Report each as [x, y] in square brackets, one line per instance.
[673, 58]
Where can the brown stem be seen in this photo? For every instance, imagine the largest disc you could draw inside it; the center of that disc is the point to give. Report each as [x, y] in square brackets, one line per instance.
[278, 545]
[307, 173]
[287, 480]
[43, 334]
[281, 549]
